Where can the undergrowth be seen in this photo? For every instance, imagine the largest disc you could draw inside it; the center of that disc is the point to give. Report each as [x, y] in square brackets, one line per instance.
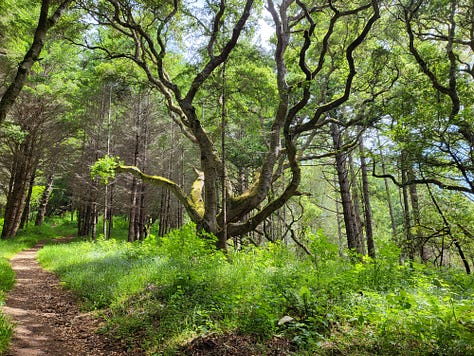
[165, 292]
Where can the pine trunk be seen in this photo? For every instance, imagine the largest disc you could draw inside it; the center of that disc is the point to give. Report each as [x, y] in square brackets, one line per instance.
[44, 201]
[348, 212]
[367, 207]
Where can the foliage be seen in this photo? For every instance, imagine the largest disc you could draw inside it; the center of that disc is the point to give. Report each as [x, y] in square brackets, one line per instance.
[6, 332]
[167, 291]
[104, 168]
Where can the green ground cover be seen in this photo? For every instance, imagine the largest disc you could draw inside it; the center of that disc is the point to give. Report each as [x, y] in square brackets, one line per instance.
[165, 292]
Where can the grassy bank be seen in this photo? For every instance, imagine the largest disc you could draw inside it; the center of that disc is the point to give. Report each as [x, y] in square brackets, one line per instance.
[8, 248]
[177, 292]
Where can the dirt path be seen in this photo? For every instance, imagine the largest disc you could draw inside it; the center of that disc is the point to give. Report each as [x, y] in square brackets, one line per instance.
[47, 317]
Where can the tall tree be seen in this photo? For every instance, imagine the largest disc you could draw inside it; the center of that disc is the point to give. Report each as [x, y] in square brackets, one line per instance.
[440, 42]
[45, 22]
[36, 117]
[220, 27]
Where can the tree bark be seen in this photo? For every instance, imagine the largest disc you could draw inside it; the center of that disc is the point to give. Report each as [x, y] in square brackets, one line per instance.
[416, 216]
[367, 207]
[348, 212]
[44, 201]
[23, 169]
[25, 216]
[387, 192]
[24, 68]
[256, 204]
[356, 205]
[406, 207]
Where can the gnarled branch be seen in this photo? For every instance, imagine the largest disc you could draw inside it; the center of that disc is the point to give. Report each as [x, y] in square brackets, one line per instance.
[442, 185]
[193, 203]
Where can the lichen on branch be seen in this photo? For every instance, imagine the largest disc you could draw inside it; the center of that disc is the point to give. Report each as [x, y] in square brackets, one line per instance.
[193, 203]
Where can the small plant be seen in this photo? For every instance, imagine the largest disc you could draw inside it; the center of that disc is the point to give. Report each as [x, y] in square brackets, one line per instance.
[166, 291]
[6, 332]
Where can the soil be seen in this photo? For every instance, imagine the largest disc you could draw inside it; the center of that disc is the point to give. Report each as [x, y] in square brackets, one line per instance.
[48, 318]
[236, 345]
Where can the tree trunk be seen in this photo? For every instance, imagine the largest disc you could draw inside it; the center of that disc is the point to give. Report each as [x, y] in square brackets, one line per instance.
[387, 193]
[44, 201]
[110, 212]
[14, 207]
[132, 211]
[356, 206]
[94, 219]
[416, 215]
[350, 221]
[367, 207]
[340, 242]
[21, 175]
[406, 208]
[25, 216]
[462, 256]
[44, 24]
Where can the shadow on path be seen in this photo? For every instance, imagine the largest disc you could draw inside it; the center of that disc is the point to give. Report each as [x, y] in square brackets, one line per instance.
[47, 317]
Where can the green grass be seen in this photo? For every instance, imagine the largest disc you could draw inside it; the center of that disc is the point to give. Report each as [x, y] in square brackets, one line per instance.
[165, 292]
[8, 248]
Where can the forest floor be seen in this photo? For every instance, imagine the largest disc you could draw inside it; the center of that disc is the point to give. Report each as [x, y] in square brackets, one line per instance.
[48, 319]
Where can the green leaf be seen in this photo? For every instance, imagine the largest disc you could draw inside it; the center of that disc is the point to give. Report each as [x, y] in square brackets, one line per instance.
[104, 168]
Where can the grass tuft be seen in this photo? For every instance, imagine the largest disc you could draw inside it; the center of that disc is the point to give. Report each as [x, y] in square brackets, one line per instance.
[164, 293]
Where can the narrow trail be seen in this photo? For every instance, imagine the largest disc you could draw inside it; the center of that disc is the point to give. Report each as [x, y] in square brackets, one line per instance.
[47, 317]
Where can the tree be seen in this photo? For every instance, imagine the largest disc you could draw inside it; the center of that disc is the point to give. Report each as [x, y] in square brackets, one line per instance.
[440, 43]
[295, 21]
[36, 117]
[45, 23]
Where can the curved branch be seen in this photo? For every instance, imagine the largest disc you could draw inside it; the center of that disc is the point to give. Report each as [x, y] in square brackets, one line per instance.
[450, 90]
[215, 61]
[436, 182]
[215, 28]
[352, 71]
[193, 204]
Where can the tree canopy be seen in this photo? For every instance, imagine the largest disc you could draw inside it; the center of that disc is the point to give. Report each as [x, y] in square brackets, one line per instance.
[245, 137]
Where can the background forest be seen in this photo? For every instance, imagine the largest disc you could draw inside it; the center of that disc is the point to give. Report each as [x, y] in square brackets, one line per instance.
[296, 175]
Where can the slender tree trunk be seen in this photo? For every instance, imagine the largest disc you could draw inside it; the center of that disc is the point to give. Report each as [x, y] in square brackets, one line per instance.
[81, 220]
[367, 207]
[163, 218]
[25, 216]
[338, 220]
[14, 209]
[350, 221]
[222, 236]
[44, 200]
[416, 215]
[141, 221]
[110, 212]
[387, 193]
[21, 175]
[94, 219]
[132, 211]
[356, 206]
[406, 208]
